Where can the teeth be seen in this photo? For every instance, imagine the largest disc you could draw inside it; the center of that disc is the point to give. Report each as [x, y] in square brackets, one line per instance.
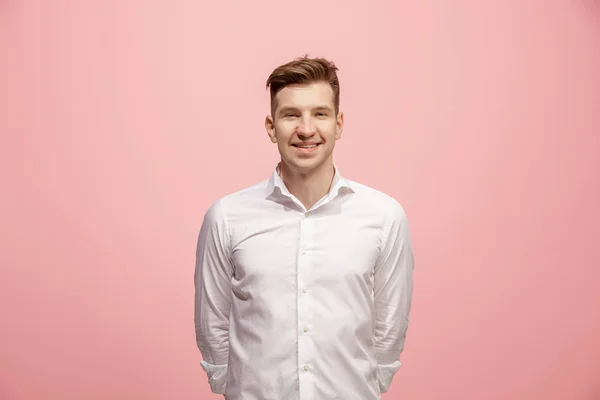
[308, 147]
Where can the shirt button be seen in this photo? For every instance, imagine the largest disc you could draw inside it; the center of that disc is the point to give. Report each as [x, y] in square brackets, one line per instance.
[305, 329]
[306, 367]
[305, 290]
[303, 251]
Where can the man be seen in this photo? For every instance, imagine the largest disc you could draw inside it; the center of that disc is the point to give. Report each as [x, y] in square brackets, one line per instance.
[303, 281]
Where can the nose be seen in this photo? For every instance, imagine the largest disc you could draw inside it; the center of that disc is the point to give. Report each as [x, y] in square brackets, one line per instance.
[306, 128]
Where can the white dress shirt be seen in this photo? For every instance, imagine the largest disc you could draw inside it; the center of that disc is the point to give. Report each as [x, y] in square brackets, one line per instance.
[303, 304]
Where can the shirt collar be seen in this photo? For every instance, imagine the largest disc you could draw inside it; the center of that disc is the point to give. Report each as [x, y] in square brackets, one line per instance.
[339, 184]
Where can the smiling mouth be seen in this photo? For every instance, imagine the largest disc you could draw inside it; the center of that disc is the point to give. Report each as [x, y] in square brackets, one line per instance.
[306, 146]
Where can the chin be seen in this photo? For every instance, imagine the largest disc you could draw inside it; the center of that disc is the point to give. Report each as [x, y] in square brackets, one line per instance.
[306, 164]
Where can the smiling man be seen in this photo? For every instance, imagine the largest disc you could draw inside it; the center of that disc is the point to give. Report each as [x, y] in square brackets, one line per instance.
[303, 281]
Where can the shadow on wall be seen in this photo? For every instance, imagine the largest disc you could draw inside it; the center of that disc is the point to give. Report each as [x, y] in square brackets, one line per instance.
[3, 394]
[6, 5]
[592, 6]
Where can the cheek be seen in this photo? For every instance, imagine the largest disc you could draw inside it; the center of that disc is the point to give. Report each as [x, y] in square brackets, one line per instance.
[283, 137]
[328, 129]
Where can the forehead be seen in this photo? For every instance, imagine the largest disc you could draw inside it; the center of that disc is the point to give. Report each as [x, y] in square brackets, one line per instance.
[306, 95]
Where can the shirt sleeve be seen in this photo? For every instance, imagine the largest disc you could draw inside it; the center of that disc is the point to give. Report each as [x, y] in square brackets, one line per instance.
[212, 303]
[393, 295]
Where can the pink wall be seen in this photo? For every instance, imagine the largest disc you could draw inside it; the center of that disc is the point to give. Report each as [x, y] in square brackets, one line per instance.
[122, 121]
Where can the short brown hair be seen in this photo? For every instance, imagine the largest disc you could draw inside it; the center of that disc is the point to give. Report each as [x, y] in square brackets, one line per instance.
[304, 70]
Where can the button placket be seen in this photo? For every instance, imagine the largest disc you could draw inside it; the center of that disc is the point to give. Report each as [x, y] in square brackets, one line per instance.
[306, 347]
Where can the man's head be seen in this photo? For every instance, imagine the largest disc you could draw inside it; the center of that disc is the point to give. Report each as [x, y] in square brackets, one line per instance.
[305, 120]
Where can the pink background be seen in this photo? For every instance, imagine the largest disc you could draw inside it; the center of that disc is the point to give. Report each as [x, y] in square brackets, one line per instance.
[122, 121]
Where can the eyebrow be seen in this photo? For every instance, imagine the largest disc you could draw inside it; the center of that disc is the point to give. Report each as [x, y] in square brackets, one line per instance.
[318, 108]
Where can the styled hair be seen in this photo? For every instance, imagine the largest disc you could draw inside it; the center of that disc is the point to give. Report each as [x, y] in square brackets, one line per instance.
[304, 70]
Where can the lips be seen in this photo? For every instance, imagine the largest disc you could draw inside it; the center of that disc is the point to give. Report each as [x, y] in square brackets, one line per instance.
[306, 148]
[306, 145]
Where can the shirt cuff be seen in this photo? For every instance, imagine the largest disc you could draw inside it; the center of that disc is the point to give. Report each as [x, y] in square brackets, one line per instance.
[386, 373]
[217, 376]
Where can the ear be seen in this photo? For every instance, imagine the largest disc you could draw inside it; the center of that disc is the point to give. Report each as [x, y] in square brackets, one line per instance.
[339, 125]
[270, 127]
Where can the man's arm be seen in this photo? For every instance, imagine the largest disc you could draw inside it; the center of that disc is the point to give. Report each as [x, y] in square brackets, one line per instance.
[212, 281]
[393, 295]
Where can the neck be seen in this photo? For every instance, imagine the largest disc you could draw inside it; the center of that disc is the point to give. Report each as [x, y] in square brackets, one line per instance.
[308, 187]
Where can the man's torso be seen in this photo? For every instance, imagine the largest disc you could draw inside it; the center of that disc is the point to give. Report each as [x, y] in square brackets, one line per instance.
[302, 314]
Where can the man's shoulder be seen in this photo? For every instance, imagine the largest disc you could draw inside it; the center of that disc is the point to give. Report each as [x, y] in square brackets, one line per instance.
[238, 198]
[376, 198]
[251, 191]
